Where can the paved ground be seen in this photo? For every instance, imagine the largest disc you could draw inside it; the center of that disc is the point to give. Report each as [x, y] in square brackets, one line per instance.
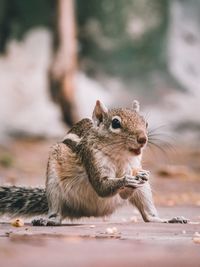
[94, 242]
[88, 243]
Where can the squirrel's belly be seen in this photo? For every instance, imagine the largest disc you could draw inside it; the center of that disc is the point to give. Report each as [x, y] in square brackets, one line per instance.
[92, 208]
[83, 201]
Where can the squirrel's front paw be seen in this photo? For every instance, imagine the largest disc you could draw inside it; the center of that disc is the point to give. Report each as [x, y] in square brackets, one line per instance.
[143, 174]
[134, 181]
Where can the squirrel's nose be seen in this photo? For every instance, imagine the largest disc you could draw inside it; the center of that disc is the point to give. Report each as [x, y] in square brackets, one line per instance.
[141, 139]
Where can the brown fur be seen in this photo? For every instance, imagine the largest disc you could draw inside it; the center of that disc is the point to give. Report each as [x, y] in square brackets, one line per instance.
[90, 173]
[93, 169]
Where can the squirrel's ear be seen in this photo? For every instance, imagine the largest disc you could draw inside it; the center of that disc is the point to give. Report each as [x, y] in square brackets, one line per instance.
[99, 111]
[136, 106]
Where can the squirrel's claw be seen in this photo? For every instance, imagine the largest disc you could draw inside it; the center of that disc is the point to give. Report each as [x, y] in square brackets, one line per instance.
[134, 181]
[44, 222]
[39, 222]
[180, 219]
[143, 174]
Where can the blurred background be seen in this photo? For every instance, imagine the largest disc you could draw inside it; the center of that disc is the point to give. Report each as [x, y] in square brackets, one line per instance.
[58, 57]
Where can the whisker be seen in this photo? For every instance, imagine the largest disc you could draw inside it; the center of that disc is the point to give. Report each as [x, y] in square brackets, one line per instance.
[165, 143]
[118, 143]
[160, 148]
[151, 150]
[150, 135]
[151, 130]
[146, 116]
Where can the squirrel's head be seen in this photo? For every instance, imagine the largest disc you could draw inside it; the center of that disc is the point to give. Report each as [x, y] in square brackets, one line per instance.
[123, 127]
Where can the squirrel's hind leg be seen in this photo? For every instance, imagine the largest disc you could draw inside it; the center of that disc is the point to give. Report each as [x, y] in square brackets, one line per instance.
[54, 213]
[143, 200]
[54, 197]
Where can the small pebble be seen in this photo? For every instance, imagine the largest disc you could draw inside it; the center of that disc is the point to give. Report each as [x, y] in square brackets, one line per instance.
[109, 231]
[134, 219]
[112, 230]
[196, 234]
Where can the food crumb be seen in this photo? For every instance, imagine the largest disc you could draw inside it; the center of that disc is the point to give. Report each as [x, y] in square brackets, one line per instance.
[17, 223]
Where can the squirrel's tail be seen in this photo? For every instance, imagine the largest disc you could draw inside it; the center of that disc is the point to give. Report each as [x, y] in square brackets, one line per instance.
[20, 201]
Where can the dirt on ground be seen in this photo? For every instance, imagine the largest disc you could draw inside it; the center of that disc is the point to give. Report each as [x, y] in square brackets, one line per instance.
[120, 240]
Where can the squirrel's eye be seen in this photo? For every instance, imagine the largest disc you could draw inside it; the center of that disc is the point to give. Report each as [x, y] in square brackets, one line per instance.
[116, 124]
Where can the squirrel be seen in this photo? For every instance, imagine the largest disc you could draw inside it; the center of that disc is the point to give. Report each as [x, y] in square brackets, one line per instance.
[90, 172]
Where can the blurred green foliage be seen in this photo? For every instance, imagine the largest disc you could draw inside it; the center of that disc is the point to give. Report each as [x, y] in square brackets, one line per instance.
[122, 37]
[19, 16]
[6, 160]
[116, 37]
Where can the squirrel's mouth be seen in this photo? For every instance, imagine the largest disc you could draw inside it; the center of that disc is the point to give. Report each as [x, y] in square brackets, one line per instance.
[136, 151]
